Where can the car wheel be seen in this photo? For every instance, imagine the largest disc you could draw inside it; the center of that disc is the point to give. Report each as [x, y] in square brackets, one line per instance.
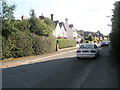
[98, 54]
[94, 58]
[78, 57]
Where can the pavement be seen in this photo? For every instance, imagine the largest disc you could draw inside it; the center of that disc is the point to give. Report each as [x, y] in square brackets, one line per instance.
[34, 59]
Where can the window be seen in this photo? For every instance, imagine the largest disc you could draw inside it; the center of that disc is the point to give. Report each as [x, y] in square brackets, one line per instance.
[86, 46]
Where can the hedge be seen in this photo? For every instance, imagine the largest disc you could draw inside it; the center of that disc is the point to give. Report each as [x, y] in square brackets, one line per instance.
[115, 43]
[22, 44]
[18, 44]
[0, 46]
[42, 44]
[64, 43]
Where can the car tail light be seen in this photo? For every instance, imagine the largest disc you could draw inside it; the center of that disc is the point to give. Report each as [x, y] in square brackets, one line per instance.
[78, 51]
[93, 51]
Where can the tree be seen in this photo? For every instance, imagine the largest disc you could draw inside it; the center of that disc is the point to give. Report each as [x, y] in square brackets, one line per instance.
[38, 27]
[50, 22]
[115, 34]
[22, 25]
[115, 17]
[8, 28]
[50, 25]
[32, 13]
[7, 11]
[7, 14]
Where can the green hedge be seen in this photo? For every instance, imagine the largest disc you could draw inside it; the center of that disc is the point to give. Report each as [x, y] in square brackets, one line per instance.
[115, 43]
[18, 44]
[115, 35]
[22, 44]
[42, 44]
[64, 43]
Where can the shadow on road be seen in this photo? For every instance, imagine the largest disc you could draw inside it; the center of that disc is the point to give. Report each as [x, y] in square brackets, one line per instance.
[58, 73]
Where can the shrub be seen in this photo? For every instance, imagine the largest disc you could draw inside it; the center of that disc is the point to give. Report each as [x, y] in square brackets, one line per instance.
[39, 27]
[0, 46]
[51, 44]
[64, 43]
[22, 44]
[18, 44]
[115, 35]
[22, 25]
[8, 27]
[42, 44]
[115, 43]
[7, 46]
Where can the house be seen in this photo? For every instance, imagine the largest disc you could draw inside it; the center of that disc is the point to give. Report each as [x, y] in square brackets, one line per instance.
[60, 30]
[65, 30]
[79, 35]
[71, 32]
[99, 36]
[57, 30]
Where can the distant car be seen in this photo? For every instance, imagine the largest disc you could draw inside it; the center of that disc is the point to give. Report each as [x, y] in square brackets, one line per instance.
[104, 43]
[87, 50]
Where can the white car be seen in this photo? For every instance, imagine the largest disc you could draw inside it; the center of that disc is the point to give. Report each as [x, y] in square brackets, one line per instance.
[87, 50]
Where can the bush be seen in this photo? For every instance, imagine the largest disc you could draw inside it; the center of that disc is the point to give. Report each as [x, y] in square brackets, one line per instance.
[7, 46]
[8, 28]
[22, 25]
[0, 46]
[39, 27]
[115, 43]
[18, 44]
[22, 44]
[115, 35]
[64, 43]
[42, 44]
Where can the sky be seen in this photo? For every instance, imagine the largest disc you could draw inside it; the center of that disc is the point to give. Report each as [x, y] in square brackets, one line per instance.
[87, 15]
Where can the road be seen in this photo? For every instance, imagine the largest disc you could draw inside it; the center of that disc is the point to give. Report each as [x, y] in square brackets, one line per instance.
[64, 71]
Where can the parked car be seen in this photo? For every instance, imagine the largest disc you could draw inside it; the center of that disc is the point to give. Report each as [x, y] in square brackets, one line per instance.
[104, 43]
[87, 50]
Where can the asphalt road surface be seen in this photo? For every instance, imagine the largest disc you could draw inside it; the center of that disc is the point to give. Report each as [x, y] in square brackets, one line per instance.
[64, 71]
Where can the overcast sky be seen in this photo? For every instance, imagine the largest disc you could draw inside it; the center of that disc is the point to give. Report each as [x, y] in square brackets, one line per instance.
[88, 15]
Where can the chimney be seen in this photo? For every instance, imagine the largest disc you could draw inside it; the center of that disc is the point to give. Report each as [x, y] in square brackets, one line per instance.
[66, 21]
[42, 17]
[52, 17]
[71, 25]
[22, 17]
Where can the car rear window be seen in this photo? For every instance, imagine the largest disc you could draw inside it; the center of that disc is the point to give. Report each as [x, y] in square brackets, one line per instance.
[86, 46]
